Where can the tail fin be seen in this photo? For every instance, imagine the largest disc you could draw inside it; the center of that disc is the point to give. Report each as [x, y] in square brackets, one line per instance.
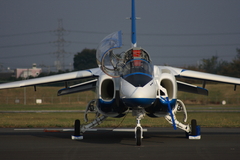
[133, 19]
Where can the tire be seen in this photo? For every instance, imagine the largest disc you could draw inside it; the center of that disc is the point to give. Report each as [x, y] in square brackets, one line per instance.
[194, 127]
[138, 136]
[187, 134]
[77, 127]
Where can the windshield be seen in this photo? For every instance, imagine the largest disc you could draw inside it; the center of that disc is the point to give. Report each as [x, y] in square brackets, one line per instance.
[138, 72]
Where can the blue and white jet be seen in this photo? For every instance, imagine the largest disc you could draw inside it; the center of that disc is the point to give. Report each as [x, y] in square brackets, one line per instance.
[129, 81]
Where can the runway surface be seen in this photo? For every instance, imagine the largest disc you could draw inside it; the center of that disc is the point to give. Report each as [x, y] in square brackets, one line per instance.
[158, 143]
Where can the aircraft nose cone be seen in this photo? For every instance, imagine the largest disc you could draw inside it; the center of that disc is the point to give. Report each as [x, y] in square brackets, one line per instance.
[138, 96]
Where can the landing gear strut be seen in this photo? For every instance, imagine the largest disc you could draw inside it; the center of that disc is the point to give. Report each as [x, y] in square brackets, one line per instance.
[79, 130]
[192, 131]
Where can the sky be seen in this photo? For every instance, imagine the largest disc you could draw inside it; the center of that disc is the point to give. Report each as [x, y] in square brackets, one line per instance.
[174, 32]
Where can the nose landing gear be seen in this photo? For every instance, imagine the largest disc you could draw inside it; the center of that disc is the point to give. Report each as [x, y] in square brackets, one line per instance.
[138, 133]
[139, 113]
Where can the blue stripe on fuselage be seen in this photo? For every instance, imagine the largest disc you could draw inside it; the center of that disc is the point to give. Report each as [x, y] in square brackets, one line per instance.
[138, 102]
[137, 73]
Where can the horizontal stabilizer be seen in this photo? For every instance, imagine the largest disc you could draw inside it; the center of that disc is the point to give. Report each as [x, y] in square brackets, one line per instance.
[185, 87]
[78, 88]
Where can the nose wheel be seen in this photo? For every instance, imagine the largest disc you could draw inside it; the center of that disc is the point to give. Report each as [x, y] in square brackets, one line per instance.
[138, 136]
[139, 130]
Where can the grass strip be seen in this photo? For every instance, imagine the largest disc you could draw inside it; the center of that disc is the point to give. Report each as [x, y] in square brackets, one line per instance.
[46, 120]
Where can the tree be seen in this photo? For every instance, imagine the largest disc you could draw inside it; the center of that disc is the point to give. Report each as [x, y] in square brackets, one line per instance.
[234, 67]
[210, 65]
[85, 59]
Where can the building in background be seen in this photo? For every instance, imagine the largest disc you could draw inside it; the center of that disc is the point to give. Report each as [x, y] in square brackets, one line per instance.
[27, 72]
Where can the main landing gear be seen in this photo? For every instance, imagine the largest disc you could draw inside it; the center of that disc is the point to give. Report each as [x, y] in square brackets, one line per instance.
[195, 130]
[192, 131]
[79, 130]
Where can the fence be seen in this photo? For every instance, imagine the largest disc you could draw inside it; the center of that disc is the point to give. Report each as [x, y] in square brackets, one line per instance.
[212, 100]
[71, 99]
[83, 99]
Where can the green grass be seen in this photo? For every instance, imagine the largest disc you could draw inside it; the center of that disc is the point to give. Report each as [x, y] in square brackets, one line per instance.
[21, 107]
[217, 93]
[48, 95]
[33, 120]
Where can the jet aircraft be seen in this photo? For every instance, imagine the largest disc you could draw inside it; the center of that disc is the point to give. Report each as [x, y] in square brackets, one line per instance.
[129, 81]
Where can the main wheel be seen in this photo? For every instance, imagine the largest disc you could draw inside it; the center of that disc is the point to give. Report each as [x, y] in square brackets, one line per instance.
[138, 136]
[77, 127]
[194, 127]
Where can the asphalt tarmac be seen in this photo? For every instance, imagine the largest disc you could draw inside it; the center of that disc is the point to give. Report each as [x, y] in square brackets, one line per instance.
[158, 143]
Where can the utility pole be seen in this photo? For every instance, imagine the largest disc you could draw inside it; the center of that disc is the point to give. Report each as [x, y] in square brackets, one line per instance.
[60, 43]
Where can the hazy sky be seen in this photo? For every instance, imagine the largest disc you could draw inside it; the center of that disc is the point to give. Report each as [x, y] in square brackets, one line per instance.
[174, 32]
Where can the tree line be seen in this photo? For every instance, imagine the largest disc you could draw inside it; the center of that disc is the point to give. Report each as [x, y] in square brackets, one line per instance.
[218, 66]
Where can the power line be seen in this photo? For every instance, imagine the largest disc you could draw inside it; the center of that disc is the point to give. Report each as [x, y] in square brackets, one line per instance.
[23, 34]
[150, 45]
[25, 55]
[23, 45]
[84, 42]
[89, 32]
[40, 32]
[185, 56]
[189, 34]
[140, 34]
[193, 45]
[165, 34]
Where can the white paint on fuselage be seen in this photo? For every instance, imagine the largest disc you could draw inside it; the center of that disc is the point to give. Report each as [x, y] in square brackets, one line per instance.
[127, 90]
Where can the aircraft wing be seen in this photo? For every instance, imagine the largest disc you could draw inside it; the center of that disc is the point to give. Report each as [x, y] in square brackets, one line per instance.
[202, 76]
[51, 79]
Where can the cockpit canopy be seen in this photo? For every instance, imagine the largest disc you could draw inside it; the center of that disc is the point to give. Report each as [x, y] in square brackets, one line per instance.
[138, 72]
[106, 59]
[134, 61]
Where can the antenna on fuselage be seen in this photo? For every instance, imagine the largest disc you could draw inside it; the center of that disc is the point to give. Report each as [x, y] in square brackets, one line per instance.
[133, 20]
